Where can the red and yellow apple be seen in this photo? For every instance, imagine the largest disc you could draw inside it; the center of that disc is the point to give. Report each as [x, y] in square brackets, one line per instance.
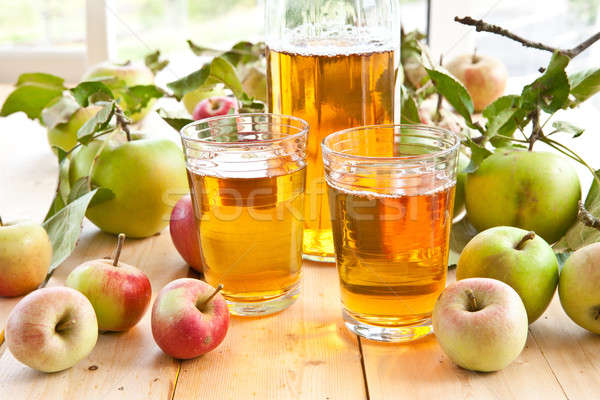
[25, 255]
[481, 324]
[52, 329]
[119, 292]
[484, 77]
[215, 106]
[189, 318]
[184, 233]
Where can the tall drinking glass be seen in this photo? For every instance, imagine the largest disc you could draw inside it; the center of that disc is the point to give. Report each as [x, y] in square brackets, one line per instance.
[332, 63]
[391, 194]
[247, 177]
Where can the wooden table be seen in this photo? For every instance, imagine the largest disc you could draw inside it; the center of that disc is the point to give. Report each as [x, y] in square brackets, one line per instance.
[304, 352]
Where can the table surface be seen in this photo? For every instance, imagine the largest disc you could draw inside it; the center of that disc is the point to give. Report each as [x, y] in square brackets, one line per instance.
[304, 352]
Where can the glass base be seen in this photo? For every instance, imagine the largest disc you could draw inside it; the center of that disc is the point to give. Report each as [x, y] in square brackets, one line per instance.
[319, 258]
[395, 334]
[271, 306]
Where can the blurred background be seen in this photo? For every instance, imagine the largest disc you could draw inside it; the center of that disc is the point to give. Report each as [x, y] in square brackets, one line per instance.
[64, 36]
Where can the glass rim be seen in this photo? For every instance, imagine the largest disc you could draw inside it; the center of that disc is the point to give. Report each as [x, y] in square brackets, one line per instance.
[303, 130]
[422, 127]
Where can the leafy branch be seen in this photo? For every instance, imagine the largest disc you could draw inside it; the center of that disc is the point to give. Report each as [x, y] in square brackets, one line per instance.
[482, 26]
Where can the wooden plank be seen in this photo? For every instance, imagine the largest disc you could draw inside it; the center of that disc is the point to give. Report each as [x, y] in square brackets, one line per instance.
[304, 352]
[571, 351]
[421, 370]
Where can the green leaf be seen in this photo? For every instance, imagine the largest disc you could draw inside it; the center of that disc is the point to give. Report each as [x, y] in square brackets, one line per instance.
[584, 84]
[409, 112]
[33, 92]
[454, 92]
[580, 235]
[59, 111]
[461, 233]
[550, 91]
[218, 71]
[154, 62]
[478, 154]
[138, 97]
[564, 126]
[175, 121]
[99, 122]
[97, 90]
[64, 228]
[63, 186]
[562, 257]
[43, 79]
[504, 116]
[241, 52]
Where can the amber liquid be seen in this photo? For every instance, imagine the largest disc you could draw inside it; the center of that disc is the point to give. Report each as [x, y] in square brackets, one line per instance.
[250, 231]
[392, 253]
[331, 92]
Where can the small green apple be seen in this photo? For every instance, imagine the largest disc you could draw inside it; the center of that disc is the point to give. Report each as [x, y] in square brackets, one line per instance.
[514, 256]
[480, 324]
[191, 99]
[529, 190]
[131, 74]
[461, 176]
[146, 175]
[25, 255]
[579, 287]
[64, 136]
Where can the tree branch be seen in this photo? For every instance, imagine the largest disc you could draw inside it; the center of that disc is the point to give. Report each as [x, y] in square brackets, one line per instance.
[587, 218]
[481, 25]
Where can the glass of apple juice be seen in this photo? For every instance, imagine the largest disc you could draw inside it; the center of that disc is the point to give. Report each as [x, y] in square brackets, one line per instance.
[391, 196]
[247, 176]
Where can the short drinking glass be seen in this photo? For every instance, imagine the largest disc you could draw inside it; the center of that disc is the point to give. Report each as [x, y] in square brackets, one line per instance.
[247, 176]
[391, 195]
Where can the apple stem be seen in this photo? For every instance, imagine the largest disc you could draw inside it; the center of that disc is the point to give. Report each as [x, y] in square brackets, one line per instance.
[530, 235]
[473, 306]
[120, 242]
[474, 58]
[205, 302]
[63, 326]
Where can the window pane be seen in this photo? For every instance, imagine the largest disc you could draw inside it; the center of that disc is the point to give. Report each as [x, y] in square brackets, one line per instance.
[30, 23]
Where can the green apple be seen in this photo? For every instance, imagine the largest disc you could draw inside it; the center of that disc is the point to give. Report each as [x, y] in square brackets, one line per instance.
[119, 292]
[579, 287]
[64, 135]
[52, 329]
[461, 176]
[146, 175]
[480, 324]
[191, 99]
[130, 74]
[516, 257]
[529, 190]
[25, 255]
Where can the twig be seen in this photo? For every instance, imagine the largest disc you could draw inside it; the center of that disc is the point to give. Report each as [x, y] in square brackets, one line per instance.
[536, 130]
[481, 25]
[587, 218]
[122, 121]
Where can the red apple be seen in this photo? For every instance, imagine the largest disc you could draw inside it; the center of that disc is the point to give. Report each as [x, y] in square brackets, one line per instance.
[120, 293]
[189, 318]
[215, 106]
[52, 329]
[480, 323]
[25, 255]
[484, 77]
[184, 233]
